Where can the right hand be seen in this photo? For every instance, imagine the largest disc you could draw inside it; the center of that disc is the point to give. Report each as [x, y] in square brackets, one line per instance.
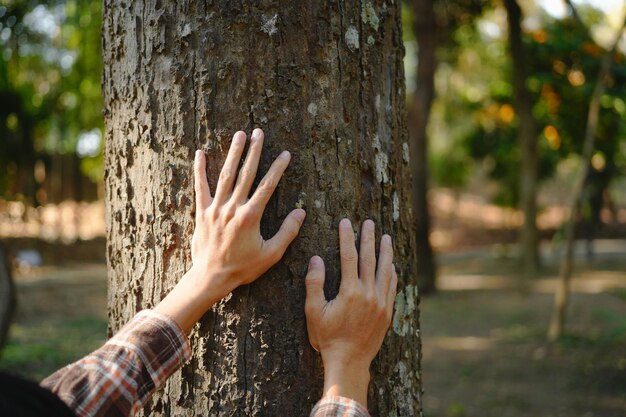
[349, 330]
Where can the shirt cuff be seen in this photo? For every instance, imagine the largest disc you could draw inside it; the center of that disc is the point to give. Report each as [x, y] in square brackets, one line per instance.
[338, 407]
[158, 341]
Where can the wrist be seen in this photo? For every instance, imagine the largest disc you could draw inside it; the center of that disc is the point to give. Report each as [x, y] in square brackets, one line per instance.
[192, 296]
[346, 378]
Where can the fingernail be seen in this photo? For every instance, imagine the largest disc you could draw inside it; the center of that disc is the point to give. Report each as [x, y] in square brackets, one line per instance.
[198, 153]
[345, 223]
[387, 239]
[299, 215]
[256, 133]
[285, 154]
[315, 261]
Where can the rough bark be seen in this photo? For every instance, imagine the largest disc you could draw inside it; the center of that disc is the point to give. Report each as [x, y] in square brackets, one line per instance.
[324, 80]
[527, 133]
[425, 29]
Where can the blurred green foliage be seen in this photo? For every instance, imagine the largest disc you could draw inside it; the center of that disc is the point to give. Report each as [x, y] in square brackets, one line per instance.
[50, 96]
[474, 117]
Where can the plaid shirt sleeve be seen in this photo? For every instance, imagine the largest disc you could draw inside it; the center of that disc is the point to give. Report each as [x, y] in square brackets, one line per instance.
[338, 407]
[116, 379]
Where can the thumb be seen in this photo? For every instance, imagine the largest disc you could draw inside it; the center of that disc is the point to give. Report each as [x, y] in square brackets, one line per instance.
[287, 232]
[315, 298]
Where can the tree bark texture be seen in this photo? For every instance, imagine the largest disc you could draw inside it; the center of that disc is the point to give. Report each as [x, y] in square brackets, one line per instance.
[324, 80]
[425, 29]
[529, 238]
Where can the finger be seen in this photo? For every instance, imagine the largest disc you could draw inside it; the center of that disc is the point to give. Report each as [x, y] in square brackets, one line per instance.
[229, 170]
[248, 171]
[288, 231]
[269, 182]
[201, 184]
[385, 265]
[391, 294]
[367, 254]
[314, 283]
[348, 255]
[315, 299]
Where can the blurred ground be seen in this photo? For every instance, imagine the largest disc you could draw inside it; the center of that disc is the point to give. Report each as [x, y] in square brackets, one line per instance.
[484, 340]
[483, 332]
[61, 316]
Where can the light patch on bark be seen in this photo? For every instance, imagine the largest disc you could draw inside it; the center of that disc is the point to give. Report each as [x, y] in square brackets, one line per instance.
[405, 307]
[370, 40]
[377, 102]
[396, 207]
[352, 38]
[406, 154]
[405, 385]
[381, 161]
[269, 24]
[312, 109]
[369, 16]
[186, 30]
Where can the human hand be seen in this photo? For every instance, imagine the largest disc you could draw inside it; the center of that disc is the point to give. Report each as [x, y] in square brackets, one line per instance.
[349, 330]
[227, 249]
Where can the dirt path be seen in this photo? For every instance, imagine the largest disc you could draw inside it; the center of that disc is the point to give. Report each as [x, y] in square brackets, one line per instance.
[484, 352]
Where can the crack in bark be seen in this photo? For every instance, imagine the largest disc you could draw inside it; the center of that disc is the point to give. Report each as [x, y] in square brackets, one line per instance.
[196, 139]
[337, 147]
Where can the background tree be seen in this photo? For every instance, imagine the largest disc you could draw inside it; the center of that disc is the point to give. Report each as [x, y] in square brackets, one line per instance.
[527, 132]
[433, 23]
[324, 80]
[425, 31]
[561, 299]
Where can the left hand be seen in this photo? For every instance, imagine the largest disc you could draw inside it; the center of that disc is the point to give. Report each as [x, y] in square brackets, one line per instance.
[227, 249]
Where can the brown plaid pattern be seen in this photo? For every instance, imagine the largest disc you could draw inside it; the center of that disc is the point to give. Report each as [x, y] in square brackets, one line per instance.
[116, 379]
[338, 407]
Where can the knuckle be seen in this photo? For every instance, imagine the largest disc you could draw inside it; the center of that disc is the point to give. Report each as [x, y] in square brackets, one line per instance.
[245, 173]
[226, 174]
[267, 183]
[309, 309]
[389, 315]
[313, 279]
[370, 300]
[228, 211]
[349, 255]
[248, 214]
[351, 294]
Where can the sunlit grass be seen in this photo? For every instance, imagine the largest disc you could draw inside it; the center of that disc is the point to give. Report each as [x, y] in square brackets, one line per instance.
[36, 350]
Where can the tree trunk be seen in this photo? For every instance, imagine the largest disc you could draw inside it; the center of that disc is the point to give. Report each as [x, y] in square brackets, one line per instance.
[8, 299]
[425, 29]
[527, 133]
[324, 80]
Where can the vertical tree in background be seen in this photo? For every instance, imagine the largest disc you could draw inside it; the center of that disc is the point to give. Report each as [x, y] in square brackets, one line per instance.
[425, 30]
[527, 133]
[325, 80]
